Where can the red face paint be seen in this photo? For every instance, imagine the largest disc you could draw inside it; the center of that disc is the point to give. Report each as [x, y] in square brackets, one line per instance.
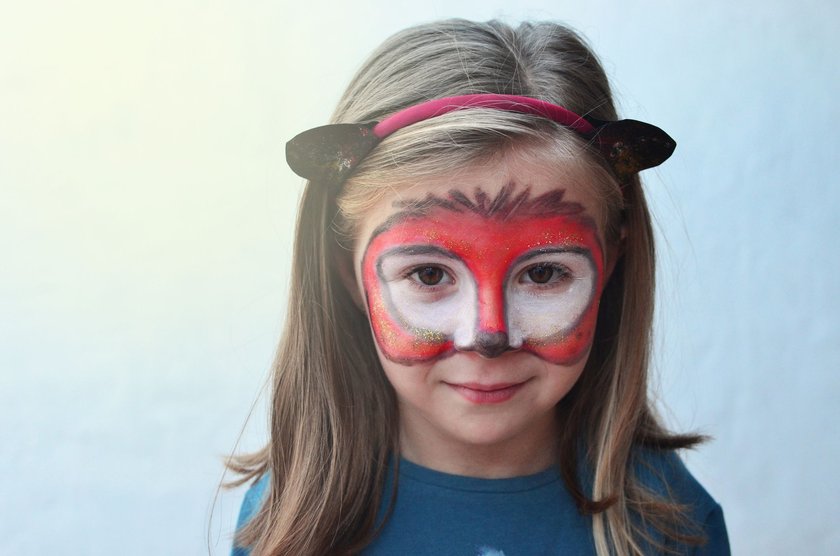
[489, 298]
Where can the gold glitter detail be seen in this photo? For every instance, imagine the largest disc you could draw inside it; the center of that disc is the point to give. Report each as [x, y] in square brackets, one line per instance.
[424, 335]
[380, 314]
[550, 340]
[392, 335]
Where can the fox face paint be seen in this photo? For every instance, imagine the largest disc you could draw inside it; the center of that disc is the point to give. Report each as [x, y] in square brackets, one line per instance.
[458, 274]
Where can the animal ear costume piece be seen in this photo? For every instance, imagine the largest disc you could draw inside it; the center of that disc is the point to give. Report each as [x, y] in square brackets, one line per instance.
[631, 146]
[329, 154]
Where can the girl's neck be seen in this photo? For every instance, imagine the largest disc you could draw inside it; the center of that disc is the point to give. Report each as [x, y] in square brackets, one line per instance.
[516, 457]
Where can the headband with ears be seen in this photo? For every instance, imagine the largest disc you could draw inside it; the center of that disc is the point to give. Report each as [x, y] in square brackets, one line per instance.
[329, 154]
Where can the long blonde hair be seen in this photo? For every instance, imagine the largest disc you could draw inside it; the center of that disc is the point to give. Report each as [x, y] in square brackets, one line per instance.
[334, 417]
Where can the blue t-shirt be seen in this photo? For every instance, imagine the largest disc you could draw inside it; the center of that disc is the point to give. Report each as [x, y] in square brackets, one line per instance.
[441, 514]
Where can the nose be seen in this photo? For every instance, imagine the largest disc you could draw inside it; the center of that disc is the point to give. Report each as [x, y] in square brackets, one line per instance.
[491, 310]
[490, 337]
[491, 344]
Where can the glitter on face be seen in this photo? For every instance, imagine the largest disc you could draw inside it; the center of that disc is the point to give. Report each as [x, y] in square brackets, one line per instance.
[486, 292]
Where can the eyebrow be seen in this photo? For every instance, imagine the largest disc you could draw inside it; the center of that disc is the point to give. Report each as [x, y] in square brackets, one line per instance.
[410, 250]
[506, 204]
[540, 251]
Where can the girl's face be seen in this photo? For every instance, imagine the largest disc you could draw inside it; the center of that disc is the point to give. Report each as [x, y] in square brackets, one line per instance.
[482, 291]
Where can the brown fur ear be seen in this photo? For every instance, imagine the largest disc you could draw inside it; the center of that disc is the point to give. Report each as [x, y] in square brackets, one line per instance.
[631, 146]
[329, 153]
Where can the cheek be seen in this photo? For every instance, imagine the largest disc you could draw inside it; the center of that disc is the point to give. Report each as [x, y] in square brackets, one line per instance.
[409, 381]
[570, 346]
[561, 379]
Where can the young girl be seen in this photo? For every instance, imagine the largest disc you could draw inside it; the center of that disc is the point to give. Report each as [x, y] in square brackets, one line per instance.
[464, 365]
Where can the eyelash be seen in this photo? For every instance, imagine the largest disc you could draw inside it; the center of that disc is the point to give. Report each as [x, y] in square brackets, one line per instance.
[560, 273]
[413, 276]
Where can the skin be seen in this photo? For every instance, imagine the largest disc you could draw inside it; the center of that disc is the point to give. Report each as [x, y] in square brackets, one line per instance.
[483, 321]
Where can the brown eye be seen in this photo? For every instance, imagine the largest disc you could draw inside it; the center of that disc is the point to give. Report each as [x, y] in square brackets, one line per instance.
[540, 274]
[429, 275]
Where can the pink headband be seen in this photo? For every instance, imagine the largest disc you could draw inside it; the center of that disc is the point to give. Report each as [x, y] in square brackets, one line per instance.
[509, 103]
[329, 154]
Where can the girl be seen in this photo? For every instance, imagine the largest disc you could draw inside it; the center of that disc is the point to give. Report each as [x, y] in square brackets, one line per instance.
[464, 365]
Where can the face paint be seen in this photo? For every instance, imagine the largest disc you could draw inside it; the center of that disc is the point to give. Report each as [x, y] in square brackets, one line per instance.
[470, 276]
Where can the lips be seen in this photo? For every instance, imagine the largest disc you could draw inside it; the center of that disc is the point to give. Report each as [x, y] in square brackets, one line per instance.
[487, 393]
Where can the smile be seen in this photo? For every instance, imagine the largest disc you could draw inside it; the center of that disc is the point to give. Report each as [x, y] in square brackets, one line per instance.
[486, 393]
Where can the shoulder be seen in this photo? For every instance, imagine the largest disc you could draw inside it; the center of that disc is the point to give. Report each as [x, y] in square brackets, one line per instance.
[254, 497]
[664, 473]
[253, 500]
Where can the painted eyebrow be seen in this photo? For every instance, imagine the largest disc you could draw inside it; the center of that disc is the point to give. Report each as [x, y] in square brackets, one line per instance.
[533, 254]
[410, 250]
[506, 204]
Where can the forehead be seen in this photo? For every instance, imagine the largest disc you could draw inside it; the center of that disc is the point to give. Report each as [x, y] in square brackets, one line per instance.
[522, 187]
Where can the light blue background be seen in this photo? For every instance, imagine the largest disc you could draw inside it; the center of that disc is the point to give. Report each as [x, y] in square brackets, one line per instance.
[145, 221]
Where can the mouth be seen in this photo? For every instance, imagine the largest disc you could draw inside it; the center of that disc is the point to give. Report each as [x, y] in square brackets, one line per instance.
[478, 393]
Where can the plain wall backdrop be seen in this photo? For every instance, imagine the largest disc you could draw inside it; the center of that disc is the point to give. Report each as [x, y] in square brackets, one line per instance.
[146, 215]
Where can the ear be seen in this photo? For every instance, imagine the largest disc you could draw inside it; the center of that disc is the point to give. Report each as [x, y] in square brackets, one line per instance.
[329, 153]
[344, 263]
[631, 146]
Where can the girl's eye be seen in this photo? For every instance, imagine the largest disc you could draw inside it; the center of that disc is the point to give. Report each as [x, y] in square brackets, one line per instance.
[429, 275]
[540, 274]
[545, 274]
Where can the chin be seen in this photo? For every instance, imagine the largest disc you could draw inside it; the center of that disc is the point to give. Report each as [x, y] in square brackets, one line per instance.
[499, 429]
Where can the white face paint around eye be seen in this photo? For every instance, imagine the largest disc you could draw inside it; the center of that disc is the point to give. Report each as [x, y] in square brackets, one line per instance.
[446, 308]
[541, 312]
